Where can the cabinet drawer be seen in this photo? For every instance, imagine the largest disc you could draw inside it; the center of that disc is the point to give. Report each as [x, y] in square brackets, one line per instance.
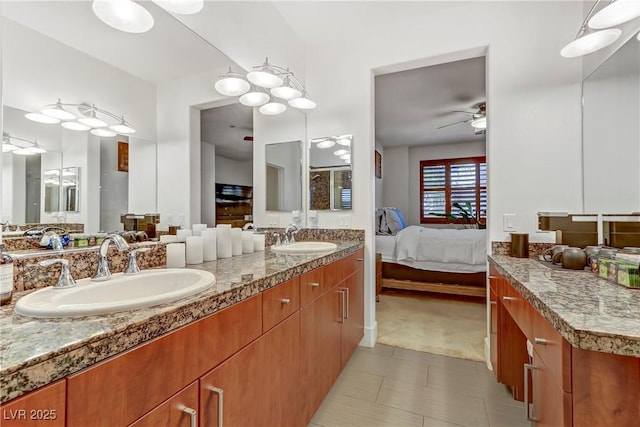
[552, 349]
[335, 272]
[312, 285]
[178, 411]
[280, 302]
[519, 308]
[42, 407]
[131, 384]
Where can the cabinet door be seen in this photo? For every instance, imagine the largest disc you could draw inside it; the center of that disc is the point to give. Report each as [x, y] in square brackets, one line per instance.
[548, 400]
[258, 386]
[181, 410]
[353, 326]
[42, 407]
[319, 350]
[493, 330]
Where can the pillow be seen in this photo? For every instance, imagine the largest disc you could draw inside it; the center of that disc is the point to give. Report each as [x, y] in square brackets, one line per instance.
[389, 221]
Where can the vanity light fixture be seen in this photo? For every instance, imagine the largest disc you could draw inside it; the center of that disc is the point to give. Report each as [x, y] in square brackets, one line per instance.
[344, 140]
[340, 152]
[346, 156]
[584, 43]
[259, 87]
[14, 144]
[87, 119]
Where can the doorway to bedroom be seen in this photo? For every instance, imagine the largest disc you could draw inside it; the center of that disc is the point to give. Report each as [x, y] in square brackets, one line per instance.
[431, 204]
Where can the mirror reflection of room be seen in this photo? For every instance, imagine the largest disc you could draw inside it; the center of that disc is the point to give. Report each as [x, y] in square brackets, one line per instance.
[330, 173]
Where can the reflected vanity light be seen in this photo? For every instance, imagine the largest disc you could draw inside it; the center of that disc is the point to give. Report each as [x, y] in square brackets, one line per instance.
[346, 156]
[184, 7]
[327, 143]
[10, 145]
[87, 120]
[340, 152]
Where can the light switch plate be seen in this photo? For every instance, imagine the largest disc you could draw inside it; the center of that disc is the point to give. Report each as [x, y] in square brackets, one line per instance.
[509, 222]
[344, 221]
[273, 220]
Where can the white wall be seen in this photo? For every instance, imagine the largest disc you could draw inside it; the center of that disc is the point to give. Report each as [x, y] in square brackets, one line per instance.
[229, 171]
[533, 106]
[208, 184]
[142, 176]
[114, 186]
[287, 156]
[433, 152]
[395, 178]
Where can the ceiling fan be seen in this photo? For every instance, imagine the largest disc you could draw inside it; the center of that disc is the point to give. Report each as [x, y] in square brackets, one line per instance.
[478, 118]
[248, 138]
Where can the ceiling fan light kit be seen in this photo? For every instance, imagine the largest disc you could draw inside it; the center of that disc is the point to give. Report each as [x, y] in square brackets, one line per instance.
[478, 119]
[263, 86]
[588, 41]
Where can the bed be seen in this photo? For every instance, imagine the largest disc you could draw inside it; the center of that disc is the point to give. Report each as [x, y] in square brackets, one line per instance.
[450, 261]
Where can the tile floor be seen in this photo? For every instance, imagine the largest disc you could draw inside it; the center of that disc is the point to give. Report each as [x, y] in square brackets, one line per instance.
[394, 387]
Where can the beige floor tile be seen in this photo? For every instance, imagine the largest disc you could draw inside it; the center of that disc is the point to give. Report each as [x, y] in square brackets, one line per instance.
[345, 411]
[435, 403]
[358, 384]
[406, 370]
[379, 350]
[432, 422]
[469, 384]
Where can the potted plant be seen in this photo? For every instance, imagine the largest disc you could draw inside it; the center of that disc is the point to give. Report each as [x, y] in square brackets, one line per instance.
[464, 212]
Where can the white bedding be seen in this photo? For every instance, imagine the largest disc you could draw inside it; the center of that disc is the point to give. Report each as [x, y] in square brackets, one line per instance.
[447, 250]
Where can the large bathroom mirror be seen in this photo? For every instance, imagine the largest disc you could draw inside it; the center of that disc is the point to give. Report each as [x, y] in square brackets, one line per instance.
[51, 192]
[60, 49]
[330, 173]
[611, 133]
[70, 189]
[283, 162]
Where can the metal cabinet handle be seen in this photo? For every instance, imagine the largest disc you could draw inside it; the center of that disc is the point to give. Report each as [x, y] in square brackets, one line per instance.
[540, 341]
[285, 300]
[314, 284]
[509, 298]
[342, 302]
[193, 414]
[527, 368]
[493, 302]
[360, 259]
[346, 291]
[220, 394]
[493, 277]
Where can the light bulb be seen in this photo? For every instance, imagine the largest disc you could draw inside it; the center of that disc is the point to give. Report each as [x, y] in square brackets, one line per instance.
[103, 132]
[57, 111]
[590, 43]
[254, 99]
[340, 152]
[344, 141]
[302, 103]
[264, 79]
[184, 7]
[272, 108]
[480, 123]
[123, 15]
[42, 118]
[616, 13]
[345, 156]
[232, 86]
[326, 144]
[286, 92]
[8, 147]
[92, 120]
[122, 127]
[74, 126]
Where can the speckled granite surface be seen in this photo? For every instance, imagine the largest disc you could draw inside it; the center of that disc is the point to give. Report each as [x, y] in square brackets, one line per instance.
[83, 262]
[504, 248]
[591, 313]
[35, 352]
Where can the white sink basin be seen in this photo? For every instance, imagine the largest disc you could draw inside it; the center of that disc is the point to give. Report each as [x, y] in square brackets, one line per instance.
[120, 293]
[305, 247]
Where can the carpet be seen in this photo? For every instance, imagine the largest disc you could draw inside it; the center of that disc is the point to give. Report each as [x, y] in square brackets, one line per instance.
[432, 324]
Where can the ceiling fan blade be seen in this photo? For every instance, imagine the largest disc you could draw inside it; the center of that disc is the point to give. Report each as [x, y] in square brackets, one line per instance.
[456, 123]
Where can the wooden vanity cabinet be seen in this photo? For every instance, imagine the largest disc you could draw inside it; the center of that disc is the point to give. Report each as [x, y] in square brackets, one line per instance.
[42, 407]
[567, 386]
[181, 410]
[353, 324]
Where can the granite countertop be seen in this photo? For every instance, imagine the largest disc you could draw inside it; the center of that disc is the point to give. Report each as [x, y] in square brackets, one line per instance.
[35, 352]
[590, 312]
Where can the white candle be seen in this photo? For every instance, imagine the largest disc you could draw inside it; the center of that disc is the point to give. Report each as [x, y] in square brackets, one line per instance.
[258, 242]
[194, 250]
[223, 234]
[175, 255]
[197, 229]
[209, 243]
[236, 241]
[182, 235]
[247, 242]
[168, 238]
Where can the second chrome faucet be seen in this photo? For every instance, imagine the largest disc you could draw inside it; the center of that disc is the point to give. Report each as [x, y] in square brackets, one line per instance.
[103, 273]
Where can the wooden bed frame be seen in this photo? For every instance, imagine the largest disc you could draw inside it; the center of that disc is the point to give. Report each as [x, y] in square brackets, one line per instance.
[398, 276]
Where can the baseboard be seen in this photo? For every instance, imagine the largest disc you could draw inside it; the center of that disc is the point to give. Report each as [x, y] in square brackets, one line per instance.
[370, 336]
[487, 353]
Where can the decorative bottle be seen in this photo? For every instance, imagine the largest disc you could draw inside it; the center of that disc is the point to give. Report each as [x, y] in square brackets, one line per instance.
[6, 276]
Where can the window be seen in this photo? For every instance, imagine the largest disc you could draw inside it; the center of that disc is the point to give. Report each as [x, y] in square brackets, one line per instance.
[448, 181]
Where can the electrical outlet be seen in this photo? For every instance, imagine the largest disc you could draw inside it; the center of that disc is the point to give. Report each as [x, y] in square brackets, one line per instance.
[344, 221]
[509, 222]
[273, 220]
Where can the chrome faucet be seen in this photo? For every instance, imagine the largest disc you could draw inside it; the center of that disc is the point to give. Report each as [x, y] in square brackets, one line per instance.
[247, 225]
[53, 238]
[103, 272]
[65, 280]
[286, 231]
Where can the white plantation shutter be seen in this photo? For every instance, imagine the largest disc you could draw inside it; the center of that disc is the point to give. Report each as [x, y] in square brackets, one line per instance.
[449, 181]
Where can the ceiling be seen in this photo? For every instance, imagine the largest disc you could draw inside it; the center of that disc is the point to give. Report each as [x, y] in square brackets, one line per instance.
[411, 105]
[225, 127]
